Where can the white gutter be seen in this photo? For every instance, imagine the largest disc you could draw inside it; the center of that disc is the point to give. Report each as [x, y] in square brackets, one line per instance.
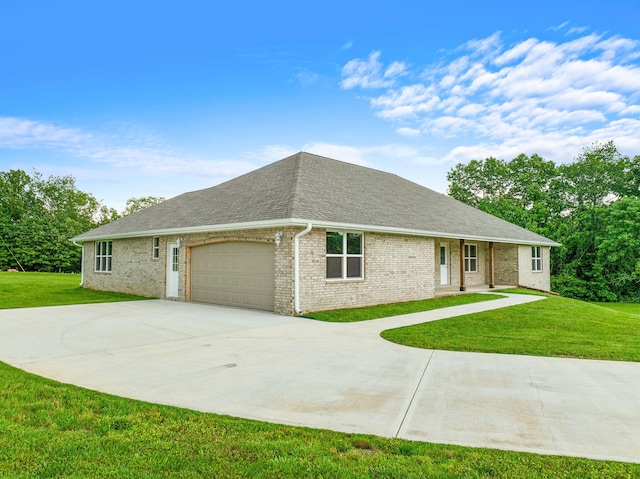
[81, 263]
[296, 268]
[323, 224]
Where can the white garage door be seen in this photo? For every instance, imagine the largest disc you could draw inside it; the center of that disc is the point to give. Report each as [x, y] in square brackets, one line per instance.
[234, 274]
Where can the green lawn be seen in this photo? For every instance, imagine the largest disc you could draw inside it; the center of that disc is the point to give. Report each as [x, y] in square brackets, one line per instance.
[54, 430]
[555, 326]
[630, 308]
[25, 290]
[387, 310]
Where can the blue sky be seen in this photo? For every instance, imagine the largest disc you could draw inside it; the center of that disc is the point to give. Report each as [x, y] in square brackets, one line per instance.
[143, 98]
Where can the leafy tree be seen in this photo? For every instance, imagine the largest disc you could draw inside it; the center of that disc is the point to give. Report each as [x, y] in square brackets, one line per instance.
[37, 218]
[599, 176]
[518, 191]
[618, 249]
[590, 206]
[136, 204]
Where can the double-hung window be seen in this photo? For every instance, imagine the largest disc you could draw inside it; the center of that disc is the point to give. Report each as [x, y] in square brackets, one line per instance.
[536, 259]
[156, 247]
[103, 256]
[345, 258]
[471, 258]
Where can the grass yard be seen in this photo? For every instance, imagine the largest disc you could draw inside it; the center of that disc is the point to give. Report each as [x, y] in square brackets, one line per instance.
[630, 308]
[388, 310]
[556, 326]
[26, 290]
[52, 430]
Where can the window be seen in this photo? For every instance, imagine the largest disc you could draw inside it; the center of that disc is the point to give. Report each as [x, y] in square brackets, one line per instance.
[156, 247]
[536, 258]
[344, 255]
[103, 256]
[471, 258]
[175, 258]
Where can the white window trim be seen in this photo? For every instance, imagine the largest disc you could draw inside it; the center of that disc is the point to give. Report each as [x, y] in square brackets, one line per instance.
[155, 248]
[536, 259]
[345, 256]
[103, 261]
[468, 258]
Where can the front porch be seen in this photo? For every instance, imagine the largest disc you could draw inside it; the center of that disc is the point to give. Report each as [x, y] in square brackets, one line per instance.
[478, 288]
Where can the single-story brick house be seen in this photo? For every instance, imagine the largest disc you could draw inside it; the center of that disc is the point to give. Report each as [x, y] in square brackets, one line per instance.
[309, 233]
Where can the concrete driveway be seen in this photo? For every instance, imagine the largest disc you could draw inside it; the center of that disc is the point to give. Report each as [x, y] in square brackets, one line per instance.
[335, 376]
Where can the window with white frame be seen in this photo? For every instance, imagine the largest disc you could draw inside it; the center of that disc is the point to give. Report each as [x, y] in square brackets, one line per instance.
[175, 259]
[536, 258]
[345, 258]
[471, 258]
[156, 247]
[103, 256]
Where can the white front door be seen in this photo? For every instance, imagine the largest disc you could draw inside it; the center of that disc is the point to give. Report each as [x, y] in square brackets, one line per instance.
[444, 263]
[173, 268]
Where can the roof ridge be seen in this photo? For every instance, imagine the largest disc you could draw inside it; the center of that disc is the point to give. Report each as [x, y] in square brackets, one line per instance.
[294, 198]
[364, 167]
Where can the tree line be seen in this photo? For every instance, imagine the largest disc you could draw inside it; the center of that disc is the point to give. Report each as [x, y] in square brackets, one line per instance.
[39, 215]
[591, 206]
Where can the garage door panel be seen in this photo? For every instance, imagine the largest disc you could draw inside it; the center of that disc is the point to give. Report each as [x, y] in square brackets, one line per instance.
[234, 274]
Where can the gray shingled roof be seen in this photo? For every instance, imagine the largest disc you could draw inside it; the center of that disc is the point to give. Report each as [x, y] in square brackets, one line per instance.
[306, 188]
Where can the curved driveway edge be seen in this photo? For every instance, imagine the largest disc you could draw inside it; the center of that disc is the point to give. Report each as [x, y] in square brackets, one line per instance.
[333, 375]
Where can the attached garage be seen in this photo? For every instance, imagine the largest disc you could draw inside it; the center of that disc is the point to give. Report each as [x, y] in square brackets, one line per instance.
[234, 274]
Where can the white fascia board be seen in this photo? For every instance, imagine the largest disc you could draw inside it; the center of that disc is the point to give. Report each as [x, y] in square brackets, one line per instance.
[411, 232]
[282, 223]
[192, 229]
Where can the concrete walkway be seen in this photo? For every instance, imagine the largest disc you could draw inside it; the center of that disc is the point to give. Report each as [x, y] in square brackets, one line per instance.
[334, 376]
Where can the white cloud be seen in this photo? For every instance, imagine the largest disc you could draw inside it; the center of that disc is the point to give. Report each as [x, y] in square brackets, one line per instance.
[19, 133]
[271, 153]
[484, 46]
[577, 30]
[559, 27]
[369, 73]
[128, 153]
[307, 77]
[408, 132]
[350, 154]
[500, 98]
[370, 156]
[517, 52]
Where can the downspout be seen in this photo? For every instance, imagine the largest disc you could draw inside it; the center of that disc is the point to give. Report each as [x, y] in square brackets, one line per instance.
[296, 268]
[81, 263]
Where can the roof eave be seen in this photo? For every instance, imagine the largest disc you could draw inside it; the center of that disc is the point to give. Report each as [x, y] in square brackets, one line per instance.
[428, 233]
[282, 223]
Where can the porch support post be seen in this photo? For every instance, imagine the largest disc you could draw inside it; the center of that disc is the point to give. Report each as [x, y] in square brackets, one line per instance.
[492, 282]
[462, 285]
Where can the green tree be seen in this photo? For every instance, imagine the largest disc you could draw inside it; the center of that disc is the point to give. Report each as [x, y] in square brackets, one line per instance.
[136, 204]
[587, 205]
[522, 191]
[599, 176]
[37, 218]
[618, 249]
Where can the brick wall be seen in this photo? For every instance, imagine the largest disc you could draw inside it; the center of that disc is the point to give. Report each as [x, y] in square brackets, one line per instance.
[528, 278]
[133, 269]
[505, 263]
[396, 268]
